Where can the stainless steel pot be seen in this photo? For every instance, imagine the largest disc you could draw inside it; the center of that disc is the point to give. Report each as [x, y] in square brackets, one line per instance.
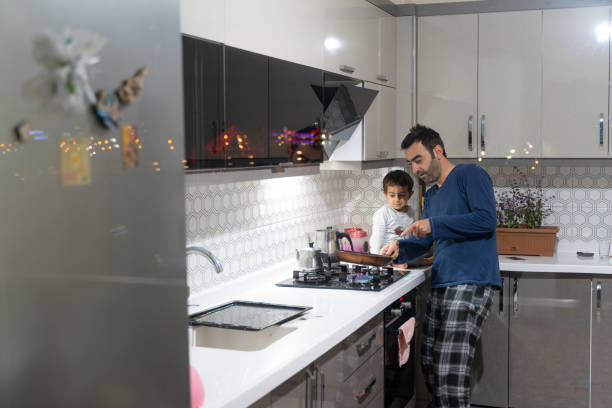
[328, 241]
[309, 258]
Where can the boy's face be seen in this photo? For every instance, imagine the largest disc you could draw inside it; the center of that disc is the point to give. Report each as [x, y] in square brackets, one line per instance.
[397, 197]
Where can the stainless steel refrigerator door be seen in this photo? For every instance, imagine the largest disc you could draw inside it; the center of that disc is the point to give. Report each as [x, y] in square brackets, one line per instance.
[549, 340]
[92, 283]
[489, 378]
[601, 360]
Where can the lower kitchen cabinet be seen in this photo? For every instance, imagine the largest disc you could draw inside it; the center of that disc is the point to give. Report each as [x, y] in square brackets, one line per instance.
[601, 365]
[489, 376]
[549, 340]
[349, 375]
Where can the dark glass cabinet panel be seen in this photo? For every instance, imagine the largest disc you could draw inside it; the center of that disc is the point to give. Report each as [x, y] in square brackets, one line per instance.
[203, 97]
[246, 108]
[295, 112]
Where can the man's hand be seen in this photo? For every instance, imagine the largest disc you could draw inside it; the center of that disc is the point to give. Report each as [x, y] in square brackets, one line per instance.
[418, 229]
[391, 249]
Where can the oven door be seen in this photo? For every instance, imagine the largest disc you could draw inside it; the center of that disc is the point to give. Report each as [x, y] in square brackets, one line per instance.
[399, 381]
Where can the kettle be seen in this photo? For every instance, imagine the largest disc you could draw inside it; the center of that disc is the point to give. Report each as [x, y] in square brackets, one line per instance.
[309, 258]
[327, 241]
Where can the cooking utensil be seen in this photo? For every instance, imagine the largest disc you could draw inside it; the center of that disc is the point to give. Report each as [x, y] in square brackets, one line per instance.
[309, 258]
[363, 258]
[328, 240]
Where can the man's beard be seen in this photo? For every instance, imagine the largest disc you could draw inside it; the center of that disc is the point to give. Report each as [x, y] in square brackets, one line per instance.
[432, 174]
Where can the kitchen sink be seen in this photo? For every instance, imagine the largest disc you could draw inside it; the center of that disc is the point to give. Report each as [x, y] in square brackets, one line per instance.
[232, 339]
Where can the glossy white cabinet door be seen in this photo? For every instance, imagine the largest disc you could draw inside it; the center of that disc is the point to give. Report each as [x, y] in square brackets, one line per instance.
[403, 90]
[447, 79]
[575, 82]
[203, 19]
[291, 30]
[386, 73]
[351, 38]
[379, 124]
[509, 83]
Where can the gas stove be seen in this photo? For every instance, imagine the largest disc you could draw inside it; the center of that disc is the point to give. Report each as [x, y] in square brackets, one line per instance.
[346, 276]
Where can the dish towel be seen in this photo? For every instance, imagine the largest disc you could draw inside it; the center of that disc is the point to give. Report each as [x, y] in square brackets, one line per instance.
[197, 388]
[404, 337]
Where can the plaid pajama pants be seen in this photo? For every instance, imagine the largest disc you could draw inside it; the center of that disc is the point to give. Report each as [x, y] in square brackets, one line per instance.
[452, 326]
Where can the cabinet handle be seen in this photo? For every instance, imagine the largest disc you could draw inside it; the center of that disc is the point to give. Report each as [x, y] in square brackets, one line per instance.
[482, 133]
[501, 297]
[366, 344]
[470, 119]
[363, 394]
[313, 388]
[515, 291]
[322, 379]
[347, 68]
[598, 313]
[601, 129]
[382, 77]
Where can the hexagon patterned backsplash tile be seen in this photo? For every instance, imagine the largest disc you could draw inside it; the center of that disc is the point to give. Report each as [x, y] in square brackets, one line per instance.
[250, 225]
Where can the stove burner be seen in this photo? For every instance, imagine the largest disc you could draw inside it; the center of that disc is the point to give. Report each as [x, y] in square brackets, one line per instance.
[359, 278]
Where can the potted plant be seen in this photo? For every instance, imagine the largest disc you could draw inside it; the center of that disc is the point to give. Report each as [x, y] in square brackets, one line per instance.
[520, 213]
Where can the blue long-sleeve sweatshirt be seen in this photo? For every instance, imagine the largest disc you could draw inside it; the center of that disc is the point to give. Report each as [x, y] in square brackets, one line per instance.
[463, 221]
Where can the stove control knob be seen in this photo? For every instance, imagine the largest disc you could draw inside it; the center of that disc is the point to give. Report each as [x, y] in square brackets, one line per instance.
[396, 312]
[406, 305]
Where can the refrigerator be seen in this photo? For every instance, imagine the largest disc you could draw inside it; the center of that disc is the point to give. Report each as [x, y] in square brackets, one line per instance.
[92, 232]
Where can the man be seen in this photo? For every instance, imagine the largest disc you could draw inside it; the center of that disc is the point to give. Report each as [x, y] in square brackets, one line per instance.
[459, 217]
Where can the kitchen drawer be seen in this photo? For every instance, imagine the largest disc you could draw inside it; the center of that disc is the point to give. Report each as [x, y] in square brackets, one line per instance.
[365, 383]
[364, 342]
[378, 401]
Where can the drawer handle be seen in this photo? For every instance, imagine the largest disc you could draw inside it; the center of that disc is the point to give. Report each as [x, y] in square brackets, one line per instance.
[601, 129]
[363, 394]
[470, 133]
[382, 77]
[366, 344]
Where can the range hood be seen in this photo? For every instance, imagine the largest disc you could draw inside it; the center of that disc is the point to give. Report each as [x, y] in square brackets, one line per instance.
[345, 104]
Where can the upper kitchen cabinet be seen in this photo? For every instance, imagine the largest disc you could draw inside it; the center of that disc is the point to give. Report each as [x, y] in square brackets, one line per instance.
[403, 90]
[351, 38]
[387, 43]
[203, 19]
[203, 101]
[575, 82]
[245, 133]
[379, 124]
[292, 30]
[447, 80]
[509, 84]
[296, 111]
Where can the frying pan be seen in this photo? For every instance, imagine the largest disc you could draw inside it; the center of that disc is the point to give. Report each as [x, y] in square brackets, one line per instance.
[363, 258]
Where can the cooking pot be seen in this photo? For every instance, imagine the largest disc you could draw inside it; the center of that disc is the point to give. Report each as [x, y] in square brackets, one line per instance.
[327, 241]
[309, 258]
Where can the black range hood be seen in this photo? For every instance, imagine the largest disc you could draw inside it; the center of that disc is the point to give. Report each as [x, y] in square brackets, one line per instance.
[345, 103]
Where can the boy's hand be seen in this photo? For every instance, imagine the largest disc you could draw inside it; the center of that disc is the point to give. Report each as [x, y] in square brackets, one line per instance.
[391, 249]
[420, 228]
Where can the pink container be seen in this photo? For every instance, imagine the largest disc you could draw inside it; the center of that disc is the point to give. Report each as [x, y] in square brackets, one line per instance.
[359, 238]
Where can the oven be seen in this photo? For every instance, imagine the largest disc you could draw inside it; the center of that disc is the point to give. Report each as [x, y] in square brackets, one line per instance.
[399, 381]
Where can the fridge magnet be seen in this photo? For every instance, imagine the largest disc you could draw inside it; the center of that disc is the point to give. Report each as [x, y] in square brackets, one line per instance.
[129, 147]
[68, 58]
[107, 110]
[108, 107]
[22, 131]
[75, 164]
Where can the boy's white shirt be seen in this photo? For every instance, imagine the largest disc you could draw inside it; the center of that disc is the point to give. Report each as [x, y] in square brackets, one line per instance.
[384, 223]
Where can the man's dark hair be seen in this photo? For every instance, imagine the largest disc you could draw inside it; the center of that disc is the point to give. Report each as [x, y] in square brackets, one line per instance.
[398, 178]
[427, 136]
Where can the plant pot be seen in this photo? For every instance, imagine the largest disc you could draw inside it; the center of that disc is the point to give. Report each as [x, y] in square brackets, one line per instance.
[527, 241]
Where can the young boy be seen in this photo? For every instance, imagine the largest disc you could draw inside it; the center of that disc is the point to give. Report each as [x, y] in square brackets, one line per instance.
[393, 218]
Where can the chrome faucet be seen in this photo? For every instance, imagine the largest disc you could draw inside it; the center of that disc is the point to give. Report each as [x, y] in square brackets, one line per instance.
[203, 251]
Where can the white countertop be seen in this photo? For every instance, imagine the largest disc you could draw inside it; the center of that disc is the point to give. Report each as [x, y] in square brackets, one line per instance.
[237, 378]
[562, 262]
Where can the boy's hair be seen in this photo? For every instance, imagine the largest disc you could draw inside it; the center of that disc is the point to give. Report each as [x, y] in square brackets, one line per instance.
[398, 178]
[427, 136]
